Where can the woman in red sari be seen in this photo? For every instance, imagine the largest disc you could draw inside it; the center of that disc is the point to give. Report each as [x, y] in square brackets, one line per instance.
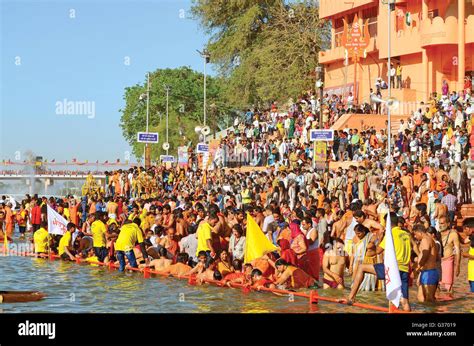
[308, 262]
[286, 253]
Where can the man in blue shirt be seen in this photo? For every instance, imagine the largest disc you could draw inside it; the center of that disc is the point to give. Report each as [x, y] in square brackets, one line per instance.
[248, 117]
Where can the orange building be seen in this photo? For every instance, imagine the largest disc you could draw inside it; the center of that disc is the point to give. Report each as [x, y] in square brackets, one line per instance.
[433, 40]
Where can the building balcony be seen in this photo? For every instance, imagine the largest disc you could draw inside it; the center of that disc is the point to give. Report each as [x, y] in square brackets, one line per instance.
[469, 29]
[439, 31]
[429, 32]
[337, 53]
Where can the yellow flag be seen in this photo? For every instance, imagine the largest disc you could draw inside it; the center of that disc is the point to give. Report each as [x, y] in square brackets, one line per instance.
[256, 243]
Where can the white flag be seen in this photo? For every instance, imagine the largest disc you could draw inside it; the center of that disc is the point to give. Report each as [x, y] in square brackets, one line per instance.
[56, 223]
[393, 283]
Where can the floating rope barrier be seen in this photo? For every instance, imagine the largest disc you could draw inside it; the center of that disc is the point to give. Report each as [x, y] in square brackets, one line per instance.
[312, 296]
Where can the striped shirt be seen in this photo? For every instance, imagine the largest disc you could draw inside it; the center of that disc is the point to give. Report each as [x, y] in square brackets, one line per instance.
[450, 202]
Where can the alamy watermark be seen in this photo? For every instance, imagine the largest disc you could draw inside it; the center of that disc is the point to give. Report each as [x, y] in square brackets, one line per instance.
[18, 249]
[37, 329]
[68, 107]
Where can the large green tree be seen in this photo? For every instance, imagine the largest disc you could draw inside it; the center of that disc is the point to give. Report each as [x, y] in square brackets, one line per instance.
[267, 49]
[185, 108]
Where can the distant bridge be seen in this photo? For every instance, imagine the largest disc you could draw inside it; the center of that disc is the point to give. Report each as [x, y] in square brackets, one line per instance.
[48, 179]
[49, 176]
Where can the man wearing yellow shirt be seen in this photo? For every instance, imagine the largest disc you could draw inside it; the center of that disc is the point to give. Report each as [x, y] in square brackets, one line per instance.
[204, 236]
[67, 213]
[135, 213]
[65, 247]
[402, 245]
[129, 235]
[99, 230]
[41, 239]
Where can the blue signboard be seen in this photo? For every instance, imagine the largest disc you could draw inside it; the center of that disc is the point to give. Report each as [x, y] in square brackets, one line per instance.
[321, 135]
[147, 137]
[202, 148]
[167, 158]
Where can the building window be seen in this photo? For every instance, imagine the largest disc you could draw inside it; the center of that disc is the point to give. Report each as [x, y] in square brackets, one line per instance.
[433, 13]
[371, 14]
[338, 30]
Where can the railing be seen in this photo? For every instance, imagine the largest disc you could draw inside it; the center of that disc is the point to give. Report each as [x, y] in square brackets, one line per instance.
[373, 27]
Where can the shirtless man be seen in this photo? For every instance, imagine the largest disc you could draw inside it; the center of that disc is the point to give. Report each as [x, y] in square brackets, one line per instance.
[200, 267]
[450, 263]
[407, 182]
[112, 207]
[180, 268]
[162, 263]
[237, 276]
[339, 225]
[220, 232]
[209, 273]
[257, 280]
[168, 217]
[181, 225]
[428, 255]
[84, 244]
[370, 209]
[170, 243]
[374, 226]
[441, 210]
[335, 261]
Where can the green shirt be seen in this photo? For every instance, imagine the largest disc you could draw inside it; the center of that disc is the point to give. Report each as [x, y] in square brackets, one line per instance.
[355, 139]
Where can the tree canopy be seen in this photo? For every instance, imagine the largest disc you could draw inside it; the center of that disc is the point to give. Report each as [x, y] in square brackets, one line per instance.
[185, 108]
[267, 49]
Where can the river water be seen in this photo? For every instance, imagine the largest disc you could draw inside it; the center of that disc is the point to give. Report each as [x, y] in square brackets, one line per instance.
[83, 288]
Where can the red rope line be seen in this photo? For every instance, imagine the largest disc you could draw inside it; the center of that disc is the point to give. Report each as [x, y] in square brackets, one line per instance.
[312, 296]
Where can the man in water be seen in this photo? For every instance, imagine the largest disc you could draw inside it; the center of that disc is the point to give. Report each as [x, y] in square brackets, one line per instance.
[99, 231]
[402, 245]
[83, 244]
[335, 261]
[161, 263]
[289, 276]
[41, 239]
[209, 273]
[258, 281]
[204, 236]
[237, 276]
[200, 267]
[65, 249]
[129, 234]
[451, 261]
[428, 255]
[180, 268]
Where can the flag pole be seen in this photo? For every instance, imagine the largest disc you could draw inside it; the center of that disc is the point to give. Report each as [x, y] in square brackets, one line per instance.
[5, 240]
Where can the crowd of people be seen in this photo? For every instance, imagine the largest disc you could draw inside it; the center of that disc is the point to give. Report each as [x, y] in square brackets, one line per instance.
[437, 132]
[329, 226]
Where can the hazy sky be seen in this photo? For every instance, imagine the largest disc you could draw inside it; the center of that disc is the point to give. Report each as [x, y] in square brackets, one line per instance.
[86, 52]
